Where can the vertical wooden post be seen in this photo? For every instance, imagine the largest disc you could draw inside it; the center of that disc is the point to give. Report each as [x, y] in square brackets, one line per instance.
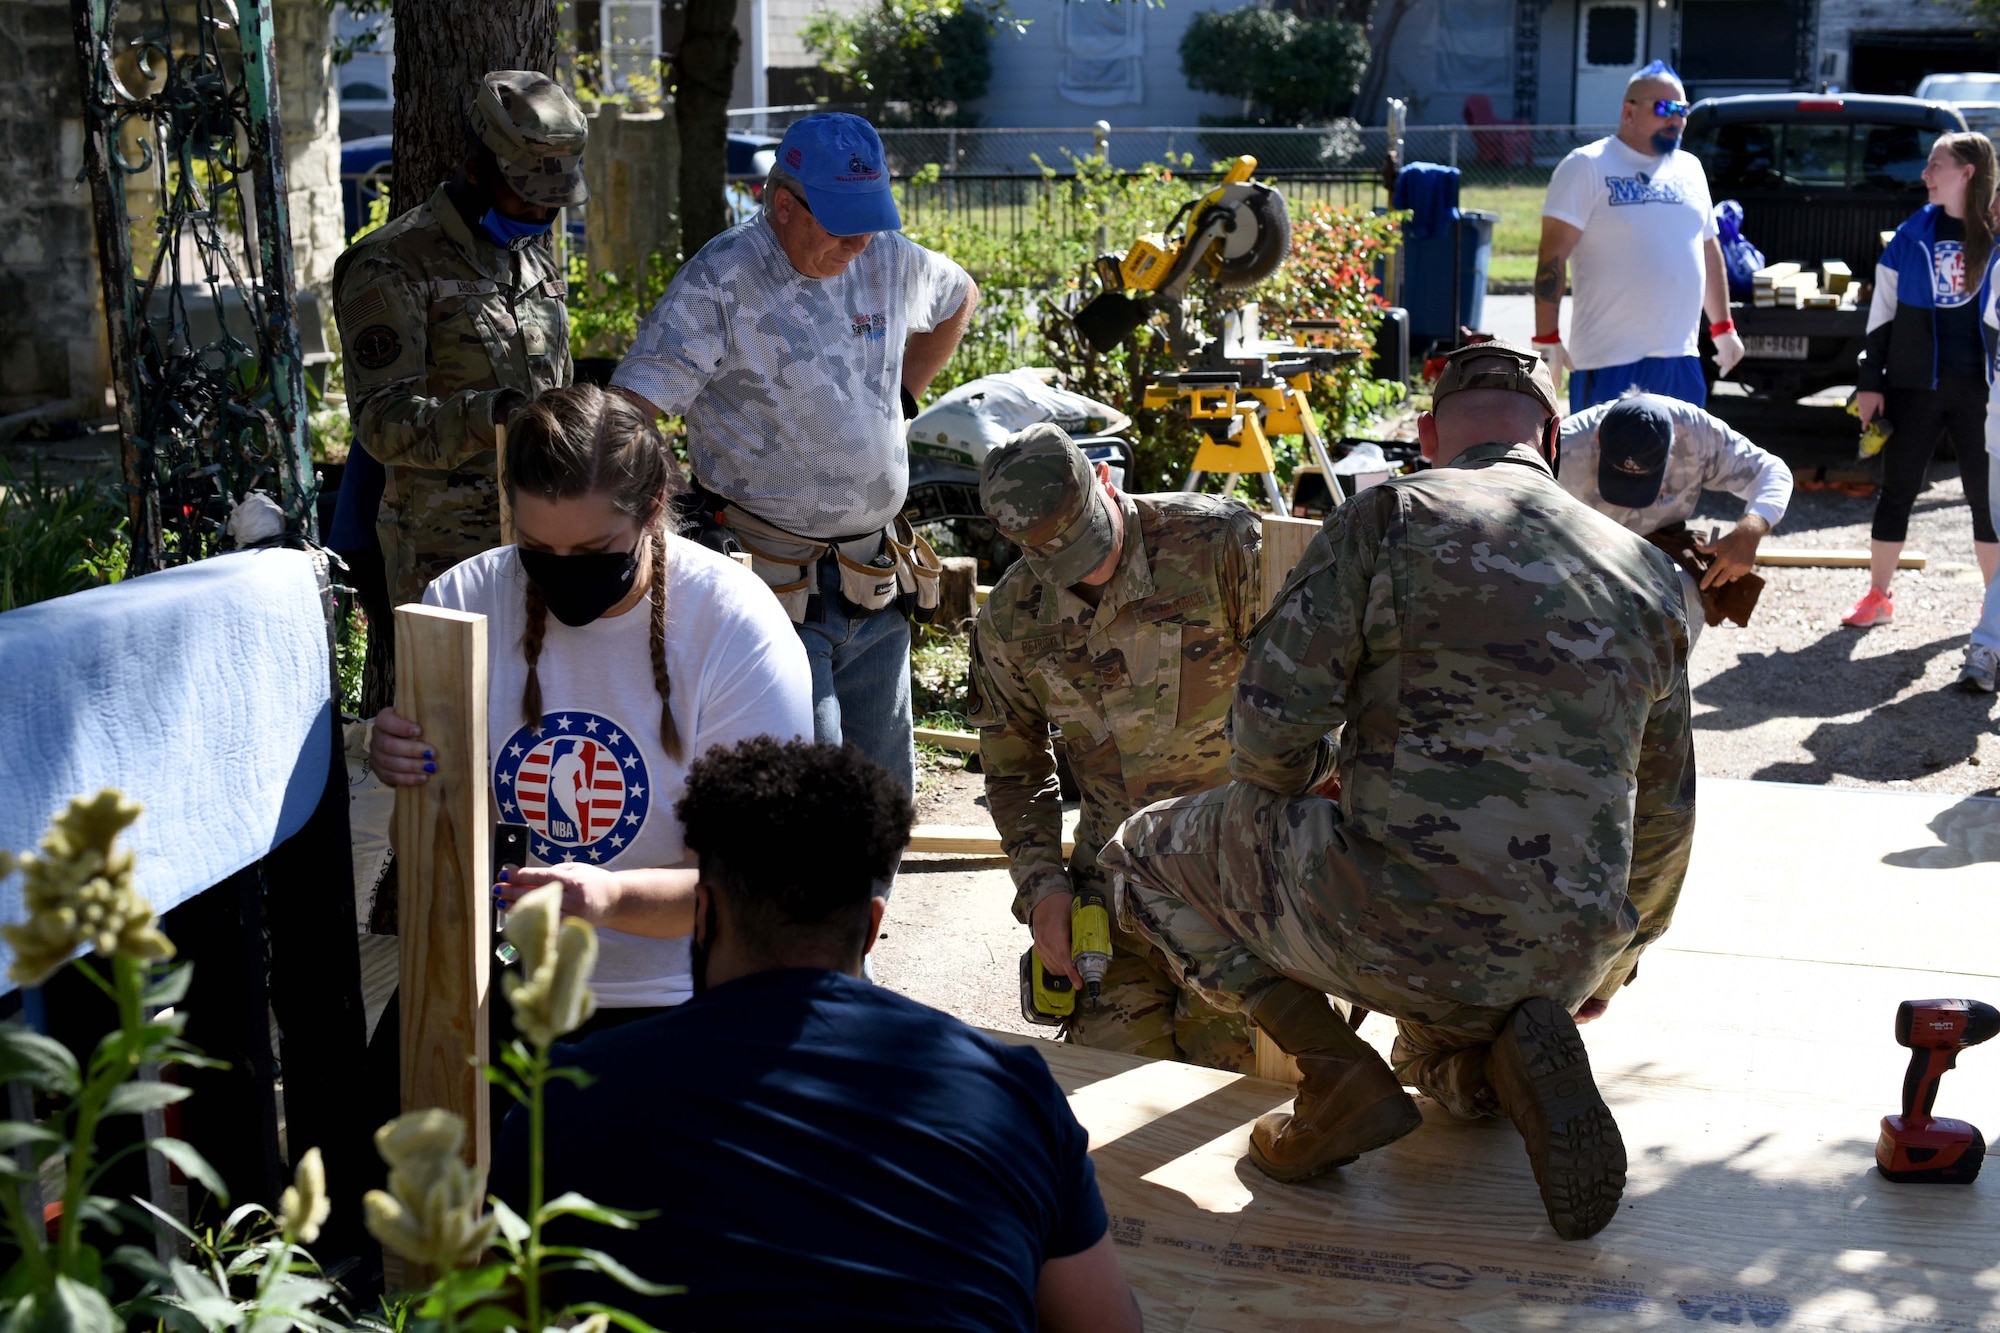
[443, 844]
[1285, 540]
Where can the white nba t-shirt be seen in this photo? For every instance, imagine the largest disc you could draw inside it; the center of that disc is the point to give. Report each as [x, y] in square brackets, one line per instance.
[589, 777]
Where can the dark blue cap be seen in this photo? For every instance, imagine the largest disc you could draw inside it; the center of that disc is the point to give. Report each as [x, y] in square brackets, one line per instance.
[838, 159]
[1633, 441]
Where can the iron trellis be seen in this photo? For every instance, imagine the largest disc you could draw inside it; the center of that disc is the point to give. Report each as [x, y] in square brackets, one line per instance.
[181, 110]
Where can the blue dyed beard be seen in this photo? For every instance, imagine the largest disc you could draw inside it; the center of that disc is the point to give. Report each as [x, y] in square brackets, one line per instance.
[1665, 142]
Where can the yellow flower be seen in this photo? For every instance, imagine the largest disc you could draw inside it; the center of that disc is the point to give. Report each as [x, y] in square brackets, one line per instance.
[557, 957]
[304, 1208]
[431, 1213]
[79, 892]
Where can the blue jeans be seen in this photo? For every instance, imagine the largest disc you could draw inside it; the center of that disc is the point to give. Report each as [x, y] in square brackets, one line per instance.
[1669, 376]
[861, 680]
[1986, 634]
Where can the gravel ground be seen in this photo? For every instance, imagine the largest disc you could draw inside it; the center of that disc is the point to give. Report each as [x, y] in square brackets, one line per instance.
[1798, 697]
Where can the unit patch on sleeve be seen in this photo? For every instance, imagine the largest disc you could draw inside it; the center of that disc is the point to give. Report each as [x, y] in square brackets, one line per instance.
[377, 346]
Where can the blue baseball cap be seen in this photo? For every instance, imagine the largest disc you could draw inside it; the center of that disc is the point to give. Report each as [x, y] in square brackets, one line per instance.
[838, 159]
[1634, 437]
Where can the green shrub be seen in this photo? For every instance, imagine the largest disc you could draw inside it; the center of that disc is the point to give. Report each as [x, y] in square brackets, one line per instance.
[1297, 71]
[915, 62]
[57, 537]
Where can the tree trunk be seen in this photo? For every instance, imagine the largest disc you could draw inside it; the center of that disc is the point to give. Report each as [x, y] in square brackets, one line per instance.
[704, 72]
[1356, 11]
[443, 49]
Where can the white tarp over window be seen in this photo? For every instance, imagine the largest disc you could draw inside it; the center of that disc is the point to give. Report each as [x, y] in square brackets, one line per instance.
[1104, 46]
[1473, 43]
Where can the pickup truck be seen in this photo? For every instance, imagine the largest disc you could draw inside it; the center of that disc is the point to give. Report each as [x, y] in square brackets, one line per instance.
[1820, 176]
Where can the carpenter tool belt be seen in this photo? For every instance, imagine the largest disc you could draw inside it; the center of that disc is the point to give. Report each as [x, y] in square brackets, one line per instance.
[893, 567]
[1731, 601]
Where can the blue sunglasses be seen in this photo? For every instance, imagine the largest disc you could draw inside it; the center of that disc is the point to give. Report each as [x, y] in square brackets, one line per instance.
[1664, 107]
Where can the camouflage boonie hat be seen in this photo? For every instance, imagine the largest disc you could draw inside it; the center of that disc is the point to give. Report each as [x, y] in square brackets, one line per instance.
[1041, 493]
[1496, 365]
[536, 132]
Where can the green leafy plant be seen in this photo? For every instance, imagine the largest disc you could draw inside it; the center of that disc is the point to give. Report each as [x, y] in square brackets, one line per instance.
[915, 62]
[605, 306]
[57, 537]
[1295, 71]
[431, 1212]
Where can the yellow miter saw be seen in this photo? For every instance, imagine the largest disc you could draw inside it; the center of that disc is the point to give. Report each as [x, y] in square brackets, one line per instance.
[1240, 388]
[1237, 234]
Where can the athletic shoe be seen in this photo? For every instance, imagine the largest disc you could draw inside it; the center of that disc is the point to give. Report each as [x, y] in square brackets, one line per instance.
[1981, 665]
[1877, 608]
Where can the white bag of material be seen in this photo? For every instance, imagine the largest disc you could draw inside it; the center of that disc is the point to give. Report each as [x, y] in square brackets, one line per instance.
[979, 415]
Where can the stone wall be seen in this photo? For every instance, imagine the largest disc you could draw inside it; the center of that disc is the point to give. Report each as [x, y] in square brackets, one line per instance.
[51, 326]
[309, 108]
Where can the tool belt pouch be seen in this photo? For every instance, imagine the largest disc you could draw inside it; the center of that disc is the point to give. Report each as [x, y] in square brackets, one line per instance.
[919, 572]
[785, 563]
[867, 575]
[1732, 601]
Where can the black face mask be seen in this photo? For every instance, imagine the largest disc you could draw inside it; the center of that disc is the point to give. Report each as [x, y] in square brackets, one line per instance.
[580, 588]
[698, 946]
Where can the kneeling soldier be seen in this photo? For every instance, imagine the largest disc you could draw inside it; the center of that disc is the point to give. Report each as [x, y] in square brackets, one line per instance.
[1122, 627]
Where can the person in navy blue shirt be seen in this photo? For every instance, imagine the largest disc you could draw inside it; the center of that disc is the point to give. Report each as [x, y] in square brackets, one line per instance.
[817, 1150]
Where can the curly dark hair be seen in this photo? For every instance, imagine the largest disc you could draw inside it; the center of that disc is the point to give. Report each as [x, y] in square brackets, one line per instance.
[798, 836]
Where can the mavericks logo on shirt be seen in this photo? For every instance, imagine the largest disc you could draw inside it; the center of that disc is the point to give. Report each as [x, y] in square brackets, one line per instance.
[578, 781]
[1643, 189]
[1948, 274]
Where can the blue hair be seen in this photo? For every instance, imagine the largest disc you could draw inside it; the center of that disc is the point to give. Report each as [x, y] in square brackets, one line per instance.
[1659, 69]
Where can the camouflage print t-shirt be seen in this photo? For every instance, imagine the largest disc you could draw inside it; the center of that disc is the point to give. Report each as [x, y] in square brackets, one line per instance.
[791, 385]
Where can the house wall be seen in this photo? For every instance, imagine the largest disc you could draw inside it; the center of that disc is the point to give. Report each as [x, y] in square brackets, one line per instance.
[1556, 65]
[1034, 75]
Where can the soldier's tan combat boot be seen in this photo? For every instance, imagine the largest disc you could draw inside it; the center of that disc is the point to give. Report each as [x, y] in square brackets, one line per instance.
[1348, 1103]
[1541, 1074]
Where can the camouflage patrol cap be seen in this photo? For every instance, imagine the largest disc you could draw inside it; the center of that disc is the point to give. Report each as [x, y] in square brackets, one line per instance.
[1496, 365]
[1041, 493]
[536, 132]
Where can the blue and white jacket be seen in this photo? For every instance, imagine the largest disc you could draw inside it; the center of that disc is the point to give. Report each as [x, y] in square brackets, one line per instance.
[1917, 274]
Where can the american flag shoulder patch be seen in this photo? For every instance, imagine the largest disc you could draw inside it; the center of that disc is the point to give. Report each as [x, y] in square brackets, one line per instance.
[369, 306]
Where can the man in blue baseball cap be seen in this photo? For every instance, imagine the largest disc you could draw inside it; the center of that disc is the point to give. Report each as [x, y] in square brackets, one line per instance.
[795, 345]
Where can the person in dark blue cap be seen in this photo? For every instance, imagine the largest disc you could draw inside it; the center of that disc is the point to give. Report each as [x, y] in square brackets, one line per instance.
[1643, 460]
[795, 345]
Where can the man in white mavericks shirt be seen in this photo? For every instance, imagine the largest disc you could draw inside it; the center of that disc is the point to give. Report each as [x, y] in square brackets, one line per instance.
[1631, 215]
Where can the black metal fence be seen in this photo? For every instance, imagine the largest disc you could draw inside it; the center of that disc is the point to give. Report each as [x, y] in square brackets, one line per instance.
[1005, 204]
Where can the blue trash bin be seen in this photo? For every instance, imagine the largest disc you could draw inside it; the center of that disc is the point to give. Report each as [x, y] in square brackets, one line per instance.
[1461, 249]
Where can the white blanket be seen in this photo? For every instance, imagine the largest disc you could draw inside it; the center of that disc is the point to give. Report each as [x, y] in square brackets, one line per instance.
[202, 692]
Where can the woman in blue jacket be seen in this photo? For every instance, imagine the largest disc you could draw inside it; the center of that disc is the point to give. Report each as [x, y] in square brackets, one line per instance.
[1927, 364]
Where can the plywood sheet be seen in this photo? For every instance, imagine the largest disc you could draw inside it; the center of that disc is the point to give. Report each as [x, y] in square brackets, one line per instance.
[1748, 1067]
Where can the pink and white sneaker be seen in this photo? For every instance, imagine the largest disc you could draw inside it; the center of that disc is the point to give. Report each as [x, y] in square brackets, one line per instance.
[1876, 608]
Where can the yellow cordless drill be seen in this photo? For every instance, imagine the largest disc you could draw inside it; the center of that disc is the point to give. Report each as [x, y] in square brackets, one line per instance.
[1048, 997]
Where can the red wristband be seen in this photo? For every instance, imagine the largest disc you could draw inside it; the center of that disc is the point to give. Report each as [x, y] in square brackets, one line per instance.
[1720, 327]
[1555, 337]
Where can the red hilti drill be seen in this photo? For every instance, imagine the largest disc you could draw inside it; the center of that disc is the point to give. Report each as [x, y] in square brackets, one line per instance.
[1917, 1147]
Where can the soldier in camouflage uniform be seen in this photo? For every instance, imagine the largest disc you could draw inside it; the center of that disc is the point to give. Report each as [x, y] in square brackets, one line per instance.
[452, 316]
[1123, 626]
[1508, 670]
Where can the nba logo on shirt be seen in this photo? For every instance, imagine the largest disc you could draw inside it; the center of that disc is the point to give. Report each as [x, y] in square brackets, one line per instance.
[1948, 273]
[578, 781]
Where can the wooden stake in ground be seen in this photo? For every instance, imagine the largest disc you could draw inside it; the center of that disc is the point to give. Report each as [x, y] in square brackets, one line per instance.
[443, 845]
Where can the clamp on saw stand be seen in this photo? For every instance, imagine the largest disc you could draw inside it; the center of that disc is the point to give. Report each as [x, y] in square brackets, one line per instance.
[1240, 388]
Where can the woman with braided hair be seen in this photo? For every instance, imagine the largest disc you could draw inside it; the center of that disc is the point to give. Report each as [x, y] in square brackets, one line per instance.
[619, 654]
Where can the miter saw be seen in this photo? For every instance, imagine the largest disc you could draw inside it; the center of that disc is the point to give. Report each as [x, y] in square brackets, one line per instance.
[1239, 388]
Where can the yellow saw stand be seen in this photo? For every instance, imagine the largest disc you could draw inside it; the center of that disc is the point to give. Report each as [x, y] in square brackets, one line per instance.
[1248, 391]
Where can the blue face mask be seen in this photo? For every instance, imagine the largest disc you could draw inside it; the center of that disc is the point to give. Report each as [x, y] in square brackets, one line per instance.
[510, 233]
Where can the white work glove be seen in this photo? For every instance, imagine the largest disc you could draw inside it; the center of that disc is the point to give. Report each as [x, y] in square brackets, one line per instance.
[1556, 357]
[1728, 351]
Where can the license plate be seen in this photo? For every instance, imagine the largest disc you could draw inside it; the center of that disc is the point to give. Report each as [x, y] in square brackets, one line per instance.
[1771, 347]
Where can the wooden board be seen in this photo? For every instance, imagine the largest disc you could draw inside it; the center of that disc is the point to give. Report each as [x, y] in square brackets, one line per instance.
[1748, 1068]
[1285, 540]
[971, 840]
[443, 845]
[964, 742]
[1833, 558]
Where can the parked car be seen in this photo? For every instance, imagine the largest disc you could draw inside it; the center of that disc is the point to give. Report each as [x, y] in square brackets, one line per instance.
[1820, 176]
[1956, 88]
